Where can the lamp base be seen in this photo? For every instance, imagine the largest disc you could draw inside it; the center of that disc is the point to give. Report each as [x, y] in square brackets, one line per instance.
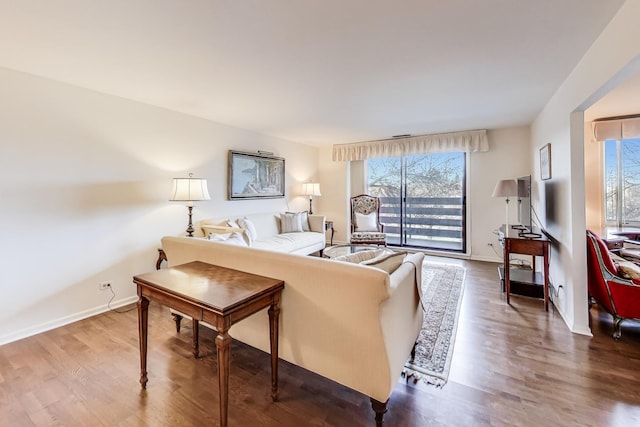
[310, 204]
[190, 229]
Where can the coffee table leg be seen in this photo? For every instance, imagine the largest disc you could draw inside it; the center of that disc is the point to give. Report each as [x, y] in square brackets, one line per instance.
[143, 322]
[274, 318]
[223, 343]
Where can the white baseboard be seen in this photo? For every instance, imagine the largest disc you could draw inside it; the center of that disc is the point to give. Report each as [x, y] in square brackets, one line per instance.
[53, 324]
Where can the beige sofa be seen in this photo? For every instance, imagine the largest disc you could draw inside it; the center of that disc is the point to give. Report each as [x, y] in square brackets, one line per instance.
[269, 236]
[353, 324]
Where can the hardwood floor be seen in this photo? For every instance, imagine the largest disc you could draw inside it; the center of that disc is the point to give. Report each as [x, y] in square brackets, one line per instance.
[512, 366]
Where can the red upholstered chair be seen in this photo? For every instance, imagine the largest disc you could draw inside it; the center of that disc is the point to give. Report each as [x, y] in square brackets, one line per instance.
[617, 295]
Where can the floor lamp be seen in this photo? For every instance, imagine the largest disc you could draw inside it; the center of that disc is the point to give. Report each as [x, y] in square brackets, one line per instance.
[189, 190]
[506, 188]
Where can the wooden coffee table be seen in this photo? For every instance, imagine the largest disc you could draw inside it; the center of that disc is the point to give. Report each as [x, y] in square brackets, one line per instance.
[221, 297]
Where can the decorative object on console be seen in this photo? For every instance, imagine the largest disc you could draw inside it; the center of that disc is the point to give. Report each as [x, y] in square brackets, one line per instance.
[189, 190]
[366, 228]
[545, 162]
[311, 189]
[506, 188]
[255, 176]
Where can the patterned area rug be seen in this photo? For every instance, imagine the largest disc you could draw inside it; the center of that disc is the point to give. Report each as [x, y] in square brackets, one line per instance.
[442, 287]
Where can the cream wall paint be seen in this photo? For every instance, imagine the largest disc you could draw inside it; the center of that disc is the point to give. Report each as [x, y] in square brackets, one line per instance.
[508, 157]
[612, 58]
[593, 173]
[85, 180]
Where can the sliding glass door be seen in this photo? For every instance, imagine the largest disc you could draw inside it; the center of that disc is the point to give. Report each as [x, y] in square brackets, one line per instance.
[423, 199]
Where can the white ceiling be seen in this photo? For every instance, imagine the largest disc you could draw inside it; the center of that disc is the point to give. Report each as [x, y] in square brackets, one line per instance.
[317, 72]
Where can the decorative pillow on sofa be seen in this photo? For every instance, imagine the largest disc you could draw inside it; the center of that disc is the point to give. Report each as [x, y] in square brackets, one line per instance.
[626, 269]
[219, 237]
[366, 222]
[386, 262]
[248, 225]
[359, 257]
[208, 229]
[304, 219]
[290, 223]
[234, 238]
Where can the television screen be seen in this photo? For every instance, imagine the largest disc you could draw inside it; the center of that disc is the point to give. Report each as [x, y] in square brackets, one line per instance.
[524, 201]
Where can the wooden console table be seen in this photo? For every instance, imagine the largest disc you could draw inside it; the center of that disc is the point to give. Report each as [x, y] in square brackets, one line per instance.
[221, 297]
[515, 243]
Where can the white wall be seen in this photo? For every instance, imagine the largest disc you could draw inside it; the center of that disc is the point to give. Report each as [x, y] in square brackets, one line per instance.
[85, 180]
[612, 58]
[508, 157]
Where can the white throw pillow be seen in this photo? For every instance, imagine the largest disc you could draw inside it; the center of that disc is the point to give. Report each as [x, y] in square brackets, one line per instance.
[366, 222]
[304, 219]
[219, 237]
[290, 223]
[248, 225]
[387, 262]
[236, 239]
[359, 257]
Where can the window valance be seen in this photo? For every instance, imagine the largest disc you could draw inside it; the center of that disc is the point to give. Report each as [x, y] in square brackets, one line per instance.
[616, 128]
[468, 141]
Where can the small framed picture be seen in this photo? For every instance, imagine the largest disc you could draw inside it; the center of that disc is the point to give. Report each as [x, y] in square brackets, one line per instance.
[545, 162]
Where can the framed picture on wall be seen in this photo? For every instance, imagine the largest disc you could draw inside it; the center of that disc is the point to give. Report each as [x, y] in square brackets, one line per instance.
[255, 176]
[545, 162]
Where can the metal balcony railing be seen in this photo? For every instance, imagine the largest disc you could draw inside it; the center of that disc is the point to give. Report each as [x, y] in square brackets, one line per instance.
[425, 222]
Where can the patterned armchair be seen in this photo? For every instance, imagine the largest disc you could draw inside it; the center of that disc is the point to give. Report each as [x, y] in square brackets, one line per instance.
[366, 228]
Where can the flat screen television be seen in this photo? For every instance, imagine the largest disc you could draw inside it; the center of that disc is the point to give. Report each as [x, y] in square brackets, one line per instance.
[524, 201]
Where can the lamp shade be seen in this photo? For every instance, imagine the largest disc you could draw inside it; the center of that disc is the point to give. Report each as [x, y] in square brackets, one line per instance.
[189, 190]
[506, 188]
[311, 189]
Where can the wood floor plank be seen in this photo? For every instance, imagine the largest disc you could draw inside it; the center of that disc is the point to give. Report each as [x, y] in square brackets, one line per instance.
[512, 366]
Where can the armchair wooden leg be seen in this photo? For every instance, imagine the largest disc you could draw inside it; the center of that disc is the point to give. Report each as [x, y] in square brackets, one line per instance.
[380, 409]
[413, 351]
[617, 332]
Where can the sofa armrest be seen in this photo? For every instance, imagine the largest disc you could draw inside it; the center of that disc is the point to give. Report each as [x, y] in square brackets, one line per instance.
[317, 223]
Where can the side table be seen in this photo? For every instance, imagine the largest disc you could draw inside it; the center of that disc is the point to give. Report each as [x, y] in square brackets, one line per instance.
[328, 225]
[219, 296]
[515, 242]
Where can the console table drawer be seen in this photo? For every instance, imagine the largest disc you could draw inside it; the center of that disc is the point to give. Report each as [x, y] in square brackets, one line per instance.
[526, 247]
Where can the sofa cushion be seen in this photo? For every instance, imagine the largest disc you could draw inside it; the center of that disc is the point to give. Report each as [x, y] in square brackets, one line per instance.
[290, 223]
[288, 242]
[388, 262]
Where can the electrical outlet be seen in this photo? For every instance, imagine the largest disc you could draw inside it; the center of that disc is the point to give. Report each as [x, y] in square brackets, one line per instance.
[104, 286]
